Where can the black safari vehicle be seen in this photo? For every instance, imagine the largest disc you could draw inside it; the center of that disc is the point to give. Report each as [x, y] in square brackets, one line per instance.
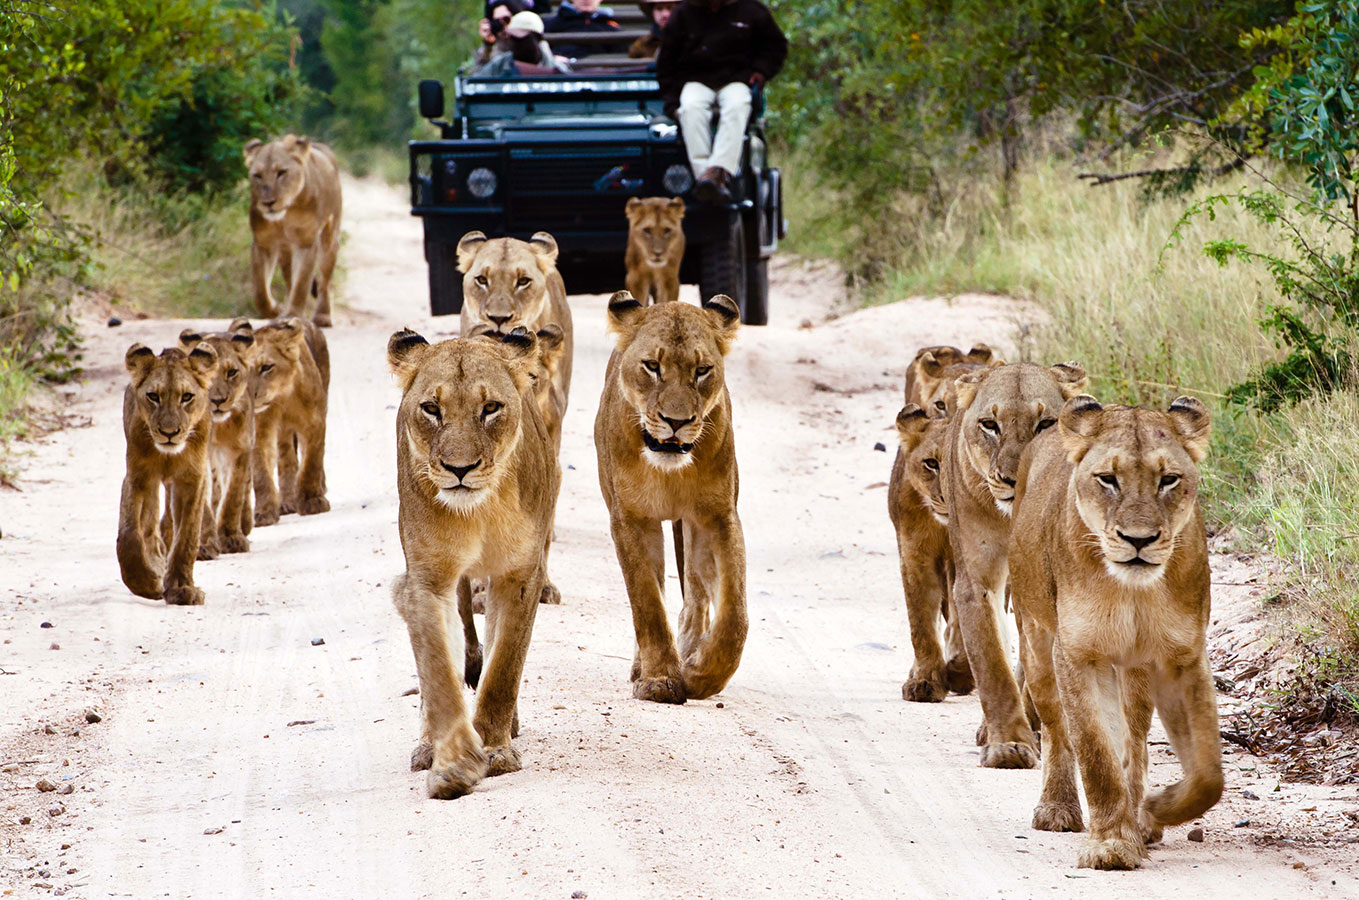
[563, 154]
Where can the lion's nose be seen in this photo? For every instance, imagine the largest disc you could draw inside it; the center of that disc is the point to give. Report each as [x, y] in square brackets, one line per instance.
[168, 433]
[459, 471]
[676, 424]
[1140, 543]
[499, 320]
[1005, 480]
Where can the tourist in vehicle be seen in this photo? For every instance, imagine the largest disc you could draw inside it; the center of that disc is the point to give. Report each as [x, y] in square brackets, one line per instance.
[712, 53]
[523, 45]
[659, 12]
[492, 29]
[581, 16]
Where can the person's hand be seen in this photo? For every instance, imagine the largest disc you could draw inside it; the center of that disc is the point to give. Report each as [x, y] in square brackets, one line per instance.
[484, 29]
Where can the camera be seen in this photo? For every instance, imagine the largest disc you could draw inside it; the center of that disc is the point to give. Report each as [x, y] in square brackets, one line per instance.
[497, 27]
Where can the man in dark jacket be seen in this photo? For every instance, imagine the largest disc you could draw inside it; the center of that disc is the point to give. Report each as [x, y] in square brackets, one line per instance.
[580, 15]
[712, 53]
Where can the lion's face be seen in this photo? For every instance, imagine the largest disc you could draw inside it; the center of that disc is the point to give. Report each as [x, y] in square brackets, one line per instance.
[936, 368]
[277, 173]
[1135, 480]
[235, 354]
[505, 280]
[656, 229]
[923, 439]
[461, 411]
[277, 361]
[670, 369]
[551, 346]
[1002, 409]
[170, 392]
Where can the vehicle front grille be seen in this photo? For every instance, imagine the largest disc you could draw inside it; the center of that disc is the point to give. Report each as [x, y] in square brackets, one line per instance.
[554, 214]
[621, 171]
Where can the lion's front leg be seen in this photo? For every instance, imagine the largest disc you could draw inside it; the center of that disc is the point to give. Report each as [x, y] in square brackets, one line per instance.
[300, 284]
[325, 271]
[235, 504]
[638, 283]
[511, 605]
[1059, 804]
[710, 666]
[1135, 687]
[311, 477]
[208, 544]
[639, 545]
[287, 470]
[472, 654]
[922, 580]
[187, 497]
[267, 499]
[138, 565]
[262, 263]
[667, 287]
[449, 745]
[698, 574]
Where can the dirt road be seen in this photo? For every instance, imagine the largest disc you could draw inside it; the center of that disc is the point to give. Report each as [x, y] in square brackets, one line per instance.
[235, 758]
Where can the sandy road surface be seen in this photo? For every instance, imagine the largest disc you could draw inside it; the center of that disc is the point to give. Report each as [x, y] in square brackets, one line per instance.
[813, 778]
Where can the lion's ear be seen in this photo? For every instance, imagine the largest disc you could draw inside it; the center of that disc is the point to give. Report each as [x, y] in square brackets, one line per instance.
[294, 329]
[299, 147]
[726, 317]
[677, 204]
[405, 349]
[965, 388]
[240, 324]
[188, 337]
[1078, 423]
[243, 339]
[252, 149]
[138, 360]
[980, 353]
[634, 204]
[550, 339]
[203, 358]
[544, 246]
[520, 349]
[911, 425]
[929, 364]
[468, 248]
[624, 312]
[1071, 379]
[1193, 425]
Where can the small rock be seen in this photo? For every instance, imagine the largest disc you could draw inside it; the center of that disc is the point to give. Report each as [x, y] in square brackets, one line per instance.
[301, 722]
[317, 642]
[45, 625]
[1196, 835]
[806, 323]
[1249, 795]
[10, 769]
[880, 447]
[66, 788]
[721, 705]
[66, 846]
[48, 729]
[114, 321]
[55, 646]
[410, 692]
[45, 786]
[56, 811]
[578, 895]
[25, 820]
[93, 717]
[1241, 823]
[218, 830]
[1299, 865]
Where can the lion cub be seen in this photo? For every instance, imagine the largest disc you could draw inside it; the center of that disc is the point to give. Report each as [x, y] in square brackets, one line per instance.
[934, 370]
[655, 248]
[227, 518]
[290, 385]
[478, 484]
[666, 452]
[1109, 573]
[167, 425]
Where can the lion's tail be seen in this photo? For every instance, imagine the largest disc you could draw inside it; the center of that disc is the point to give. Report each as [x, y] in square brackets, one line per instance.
[1194, 735]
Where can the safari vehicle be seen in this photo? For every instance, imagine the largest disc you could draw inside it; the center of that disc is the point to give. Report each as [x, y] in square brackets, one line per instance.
[540, 151]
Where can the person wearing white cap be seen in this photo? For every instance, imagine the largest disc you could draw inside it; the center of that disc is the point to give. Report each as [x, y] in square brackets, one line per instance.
[523, 43]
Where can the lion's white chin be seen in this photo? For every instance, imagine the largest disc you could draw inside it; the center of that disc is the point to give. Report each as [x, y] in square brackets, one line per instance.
[657, 263]
[273, 215]
[942, 520]
[667, 462]
[1138, 576]
[221, 415]
[171, 449]
[462, 500]
[1006, 507]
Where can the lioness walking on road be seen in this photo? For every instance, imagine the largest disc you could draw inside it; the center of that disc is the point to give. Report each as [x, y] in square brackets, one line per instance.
[1110, 577]
[655, 248]
[294, 223]
[290, 385]
[667, 453]
[478, 486]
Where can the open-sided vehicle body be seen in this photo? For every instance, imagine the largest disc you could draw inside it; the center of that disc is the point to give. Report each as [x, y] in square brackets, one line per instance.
[563, 154]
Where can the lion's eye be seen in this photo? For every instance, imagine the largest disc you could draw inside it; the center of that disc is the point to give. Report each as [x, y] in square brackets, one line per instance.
[647, 231]
[939, 405]
[481, 280]
[153, 396]
[266, 368]
[1108, 481]
[490, 409]
[1169, 481]
[703, 371]
[232, 373]
[989, 425]
[651, 366]
[431, 408]
[1044, 425]
[186, 397]
[932, 465]
[523, 280]
[282, 172]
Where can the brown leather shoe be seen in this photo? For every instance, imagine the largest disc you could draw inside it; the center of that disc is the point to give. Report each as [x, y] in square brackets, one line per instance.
[713, 186]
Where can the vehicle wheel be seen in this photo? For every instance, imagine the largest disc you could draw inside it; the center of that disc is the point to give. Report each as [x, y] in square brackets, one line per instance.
[445, 283]
[724, 265]
[755, 310]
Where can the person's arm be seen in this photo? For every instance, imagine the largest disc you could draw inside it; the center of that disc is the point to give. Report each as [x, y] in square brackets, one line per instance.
[668, 62]
[770, 48]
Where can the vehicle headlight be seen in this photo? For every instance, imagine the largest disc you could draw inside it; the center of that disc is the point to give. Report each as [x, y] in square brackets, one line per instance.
[482, 182]
[677, 179]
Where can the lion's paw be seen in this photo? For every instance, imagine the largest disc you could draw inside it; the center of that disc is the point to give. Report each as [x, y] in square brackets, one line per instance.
[287, 507]
[659, 690]
[1150, 829]
[550, 594]
[321, 320]
[959, 675]
[1115, 853]
[266, 517]
[151, 589]
[1009, 755]
[981, 734]
[1058, 817]
[503, 761]
[422, 757]
[310, 506]
[925, 687]
[235, 543]
[208, 550]
[471, 666]
[184, 595]
[455, 780]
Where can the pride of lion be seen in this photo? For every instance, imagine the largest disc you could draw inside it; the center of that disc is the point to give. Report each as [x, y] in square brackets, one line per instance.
[1051, 549]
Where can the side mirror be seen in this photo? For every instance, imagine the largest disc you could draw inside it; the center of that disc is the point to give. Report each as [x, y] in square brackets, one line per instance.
[431, 98]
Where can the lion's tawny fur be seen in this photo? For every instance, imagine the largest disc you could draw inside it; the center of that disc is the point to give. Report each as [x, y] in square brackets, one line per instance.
[665, 391]
[295, 206]
[655, 248]
[290, 386]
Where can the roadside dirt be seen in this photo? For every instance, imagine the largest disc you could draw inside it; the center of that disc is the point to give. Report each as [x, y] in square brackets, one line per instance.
[236, 759]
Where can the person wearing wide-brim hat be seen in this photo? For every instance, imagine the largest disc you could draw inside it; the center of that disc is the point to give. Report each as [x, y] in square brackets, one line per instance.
[659, 12]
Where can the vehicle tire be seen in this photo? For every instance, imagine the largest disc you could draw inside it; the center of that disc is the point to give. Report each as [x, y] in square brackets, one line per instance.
[755, 311]
[445, 283]
[724, 265]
